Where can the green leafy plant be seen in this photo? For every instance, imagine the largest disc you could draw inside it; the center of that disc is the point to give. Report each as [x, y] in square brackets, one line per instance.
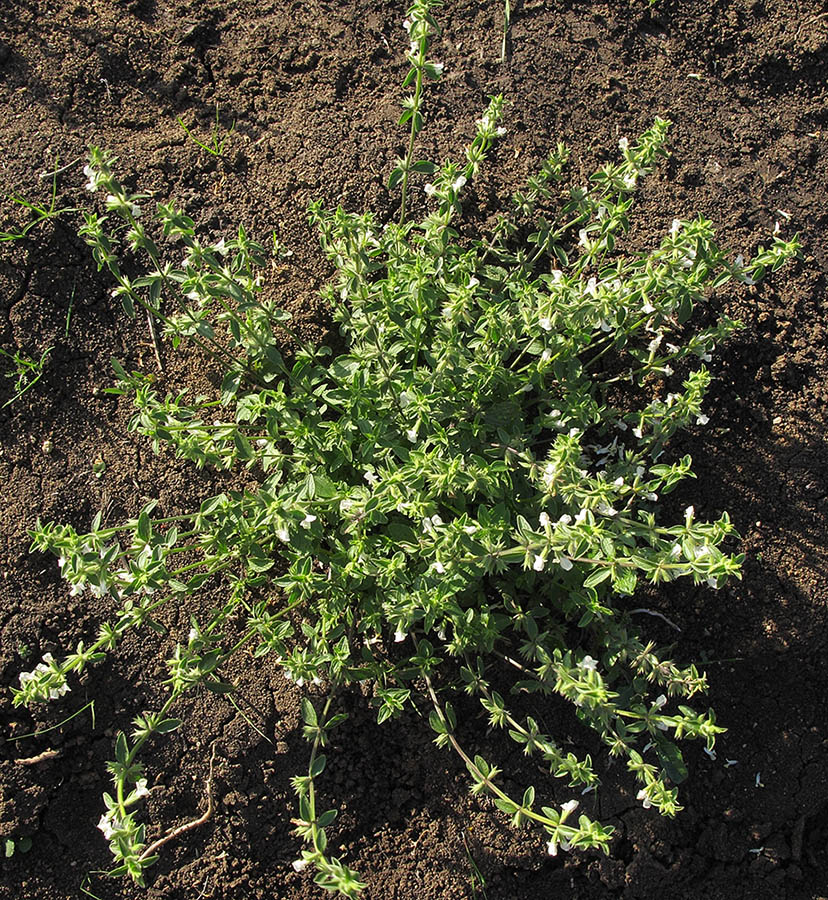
[460, 502]
[26, 372]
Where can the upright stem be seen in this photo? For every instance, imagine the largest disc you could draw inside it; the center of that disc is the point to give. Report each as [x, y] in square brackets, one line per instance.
[415, 115]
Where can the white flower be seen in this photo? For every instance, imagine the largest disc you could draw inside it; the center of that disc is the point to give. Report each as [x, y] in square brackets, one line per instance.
[430, 190]
[436, 520]
[592, 286]
[544, 519]
[565, 519]
[59, 691]
[473, 283]
[546, 355]
[588, 663]
[702, 420]
[61, 562]
[556, 275]
[371, 478]
[675, 551]
[411, 434]
[300, 864]
[623, 144]
[648, 308]
[439, 568]
[438, 68]
[552, 846]
[105, 825]
[637, 431]
[689, 513]
[470, 529]
[569, 807]
[307, 521]
[283, 534]
[675, 228]
[193, 635]
[629, 180]
[500, 131]
[545, 324]
[581, 517]
[94, 178]
[619, 481]
[583, 238]
[565, 563]
[459, 182]
[399, 636]
[606, 510]
[407, 26]
[660, 701]
[642, 795]
[141, 789]
[538, 563]
[668, 371]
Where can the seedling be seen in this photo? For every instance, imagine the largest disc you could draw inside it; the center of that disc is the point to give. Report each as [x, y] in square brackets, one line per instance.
[217, 142]
[26, 372]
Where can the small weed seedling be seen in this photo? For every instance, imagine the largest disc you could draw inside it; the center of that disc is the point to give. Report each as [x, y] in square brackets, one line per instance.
[39, 214]
[458, 502]
[216, 144]
[26, 372]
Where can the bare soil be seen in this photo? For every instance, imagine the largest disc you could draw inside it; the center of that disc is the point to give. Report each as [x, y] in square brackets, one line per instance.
[313, 89]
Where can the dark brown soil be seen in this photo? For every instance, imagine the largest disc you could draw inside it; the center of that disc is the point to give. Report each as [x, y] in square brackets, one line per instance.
[313, 89]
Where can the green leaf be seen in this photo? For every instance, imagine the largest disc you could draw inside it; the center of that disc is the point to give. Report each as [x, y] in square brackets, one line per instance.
[168, 725]
[597, 576]
[144, 529]
[121, 748]
[318, 766]
[308, 713]
[436, 722]
[326, 818]
[671, 759]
